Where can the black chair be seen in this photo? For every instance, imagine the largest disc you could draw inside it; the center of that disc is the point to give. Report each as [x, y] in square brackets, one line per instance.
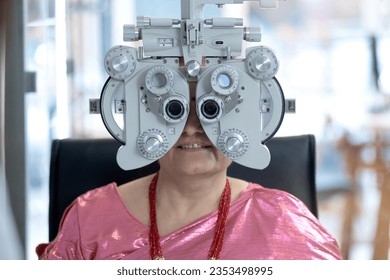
[78, 165]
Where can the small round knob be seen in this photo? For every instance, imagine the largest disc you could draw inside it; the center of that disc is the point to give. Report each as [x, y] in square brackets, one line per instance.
[193, 68]
[261, 63]
[252, 34]
[119, 64]
[130, 33]
[234, 144]
[152, 145]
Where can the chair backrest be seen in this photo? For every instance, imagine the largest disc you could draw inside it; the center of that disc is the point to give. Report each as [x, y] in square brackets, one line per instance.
[78, 165]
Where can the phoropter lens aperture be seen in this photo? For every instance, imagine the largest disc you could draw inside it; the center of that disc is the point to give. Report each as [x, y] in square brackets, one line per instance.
[175, 109]
[210, 109]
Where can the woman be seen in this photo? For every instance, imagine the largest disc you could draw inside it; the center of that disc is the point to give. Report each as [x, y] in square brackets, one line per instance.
[189, 210]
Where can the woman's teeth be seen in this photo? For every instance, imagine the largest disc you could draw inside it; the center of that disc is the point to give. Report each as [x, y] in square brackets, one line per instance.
[192, 146]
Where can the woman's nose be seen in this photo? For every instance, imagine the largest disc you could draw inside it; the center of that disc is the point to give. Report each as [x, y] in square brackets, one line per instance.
[193, 124]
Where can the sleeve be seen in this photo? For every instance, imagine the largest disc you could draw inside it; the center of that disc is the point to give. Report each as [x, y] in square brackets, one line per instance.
[67, 245]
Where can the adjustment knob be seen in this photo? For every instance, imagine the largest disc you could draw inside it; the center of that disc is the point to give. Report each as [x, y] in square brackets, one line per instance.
[131, 33]
[233, 143]
[193, 68]
[262, 63]
[153, 144]
[252, 34]
[120, 62]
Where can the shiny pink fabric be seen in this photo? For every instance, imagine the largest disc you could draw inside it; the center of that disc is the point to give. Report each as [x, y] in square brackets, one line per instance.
[262, 224]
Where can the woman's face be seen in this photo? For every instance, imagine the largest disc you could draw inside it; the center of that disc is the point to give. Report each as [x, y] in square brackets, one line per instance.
[194, 154]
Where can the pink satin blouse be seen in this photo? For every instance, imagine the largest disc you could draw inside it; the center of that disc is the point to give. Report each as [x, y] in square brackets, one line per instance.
[262, 223]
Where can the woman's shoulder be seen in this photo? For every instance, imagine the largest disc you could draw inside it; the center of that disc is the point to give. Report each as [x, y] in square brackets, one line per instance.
[132, 189]
[102, 192]
[288, 212]
[264, 191]
[275, 198]
[95, 200]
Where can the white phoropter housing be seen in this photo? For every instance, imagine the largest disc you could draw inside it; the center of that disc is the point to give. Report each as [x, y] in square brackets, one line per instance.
[144, 103]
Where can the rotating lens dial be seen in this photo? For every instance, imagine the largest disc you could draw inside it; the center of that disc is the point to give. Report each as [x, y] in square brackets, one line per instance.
[233, 143]
[262, 63]
[159, 80]
[120, 62]
[153, 144]
[224, 80]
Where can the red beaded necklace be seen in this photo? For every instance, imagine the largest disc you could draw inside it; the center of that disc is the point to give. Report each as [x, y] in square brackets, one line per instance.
[216, 245]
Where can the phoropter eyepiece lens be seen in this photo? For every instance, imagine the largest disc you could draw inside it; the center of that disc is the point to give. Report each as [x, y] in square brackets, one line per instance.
[210, 109]
[175, 109]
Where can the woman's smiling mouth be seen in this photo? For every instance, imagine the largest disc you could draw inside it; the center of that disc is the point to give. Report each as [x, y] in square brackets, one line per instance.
[193, 146]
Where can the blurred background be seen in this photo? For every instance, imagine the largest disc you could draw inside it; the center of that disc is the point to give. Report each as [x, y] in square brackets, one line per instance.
[334, 60]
